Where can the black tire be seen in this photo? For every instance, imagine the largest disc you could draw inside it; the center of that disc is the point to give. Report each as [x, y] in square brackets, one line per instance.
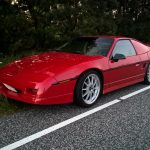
[147, 75]
[78, 90]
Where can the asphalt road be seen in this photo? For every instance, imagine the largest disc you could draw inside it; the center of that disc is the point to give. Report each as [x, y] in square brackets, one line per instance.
[124, 125]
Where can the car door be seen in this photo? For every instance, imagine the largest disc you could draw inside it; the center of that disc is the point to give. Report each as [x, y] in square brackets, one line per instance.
[124, 70]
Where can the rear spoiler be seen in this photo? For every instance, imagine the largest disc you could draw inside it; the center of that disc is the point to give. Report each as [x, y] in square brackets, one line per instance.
[147, 45]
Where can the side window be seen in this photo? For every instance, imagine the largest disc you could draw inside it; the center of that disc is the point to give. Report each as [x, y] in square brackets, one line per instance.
[124, 47]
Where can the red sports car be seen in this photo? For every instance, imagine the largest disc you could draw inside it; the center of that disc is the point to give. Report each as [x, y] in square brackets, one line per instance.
[81, 70]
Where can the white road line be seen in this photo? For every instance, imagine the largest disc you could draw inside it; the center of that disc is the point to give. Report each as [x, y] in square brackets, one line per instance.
[57, 126]
[134, 93]
[69, 121]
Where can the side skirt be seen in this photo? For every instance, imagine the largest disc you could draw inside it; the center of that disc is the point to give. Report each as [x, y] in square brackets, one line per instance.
[110, 89]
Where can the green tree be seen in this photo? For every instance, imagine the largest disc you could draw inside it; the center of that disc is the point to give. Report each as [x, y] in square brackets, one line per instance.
[43, 24]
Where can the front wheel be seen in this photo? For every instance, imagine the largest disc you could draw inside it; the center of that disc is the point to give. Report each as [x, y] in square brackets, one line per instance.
[147, 75]
[88, 89]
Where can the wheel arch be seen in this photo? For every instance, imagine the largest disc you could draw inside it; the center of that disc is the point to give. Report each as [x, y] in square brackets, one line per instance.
[95, 69]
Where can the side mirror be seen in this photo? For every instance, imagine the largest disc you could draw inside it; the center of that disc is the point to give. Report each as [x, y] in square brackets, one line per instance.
[118, 57]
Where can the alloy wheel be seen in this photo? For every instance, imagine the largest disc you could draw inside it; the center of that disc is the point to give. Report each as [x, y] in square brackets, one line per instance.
[91, 89]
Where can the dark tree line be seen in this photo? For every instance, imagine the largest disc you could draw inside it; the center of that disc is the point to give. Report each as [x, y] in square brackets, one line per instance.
[43, 24]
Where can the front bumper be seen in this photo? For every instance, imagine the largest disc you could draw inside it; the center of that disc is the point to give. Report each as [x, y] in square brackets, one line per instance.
[56, 94]
[17, 96]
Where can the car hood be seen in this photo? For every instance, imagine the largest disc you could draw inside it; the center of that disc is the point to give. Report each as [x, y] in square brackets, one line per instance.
[40, 66]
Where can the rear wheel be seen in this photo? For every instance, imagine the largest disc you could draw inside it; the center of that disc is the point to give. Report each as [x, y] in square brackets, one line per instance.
[88, 89]
[147, 75]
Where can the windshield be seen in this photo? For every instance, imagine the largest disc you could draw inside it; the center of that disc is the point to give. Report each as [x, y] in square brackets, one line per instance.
[92, 46]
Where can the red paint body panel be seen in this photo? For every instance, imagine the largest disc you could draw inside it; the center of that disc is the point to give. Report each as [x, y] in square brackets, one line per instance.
[54, 74]
[141, 48]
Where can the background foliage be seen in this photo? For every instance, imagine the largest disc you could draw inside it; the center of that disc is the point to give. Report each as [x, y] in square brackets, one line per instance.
[42, 24]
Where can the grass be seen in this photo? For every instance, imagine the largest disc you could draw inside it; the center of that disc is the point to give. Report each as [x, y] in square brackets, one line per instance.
[8, 106]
